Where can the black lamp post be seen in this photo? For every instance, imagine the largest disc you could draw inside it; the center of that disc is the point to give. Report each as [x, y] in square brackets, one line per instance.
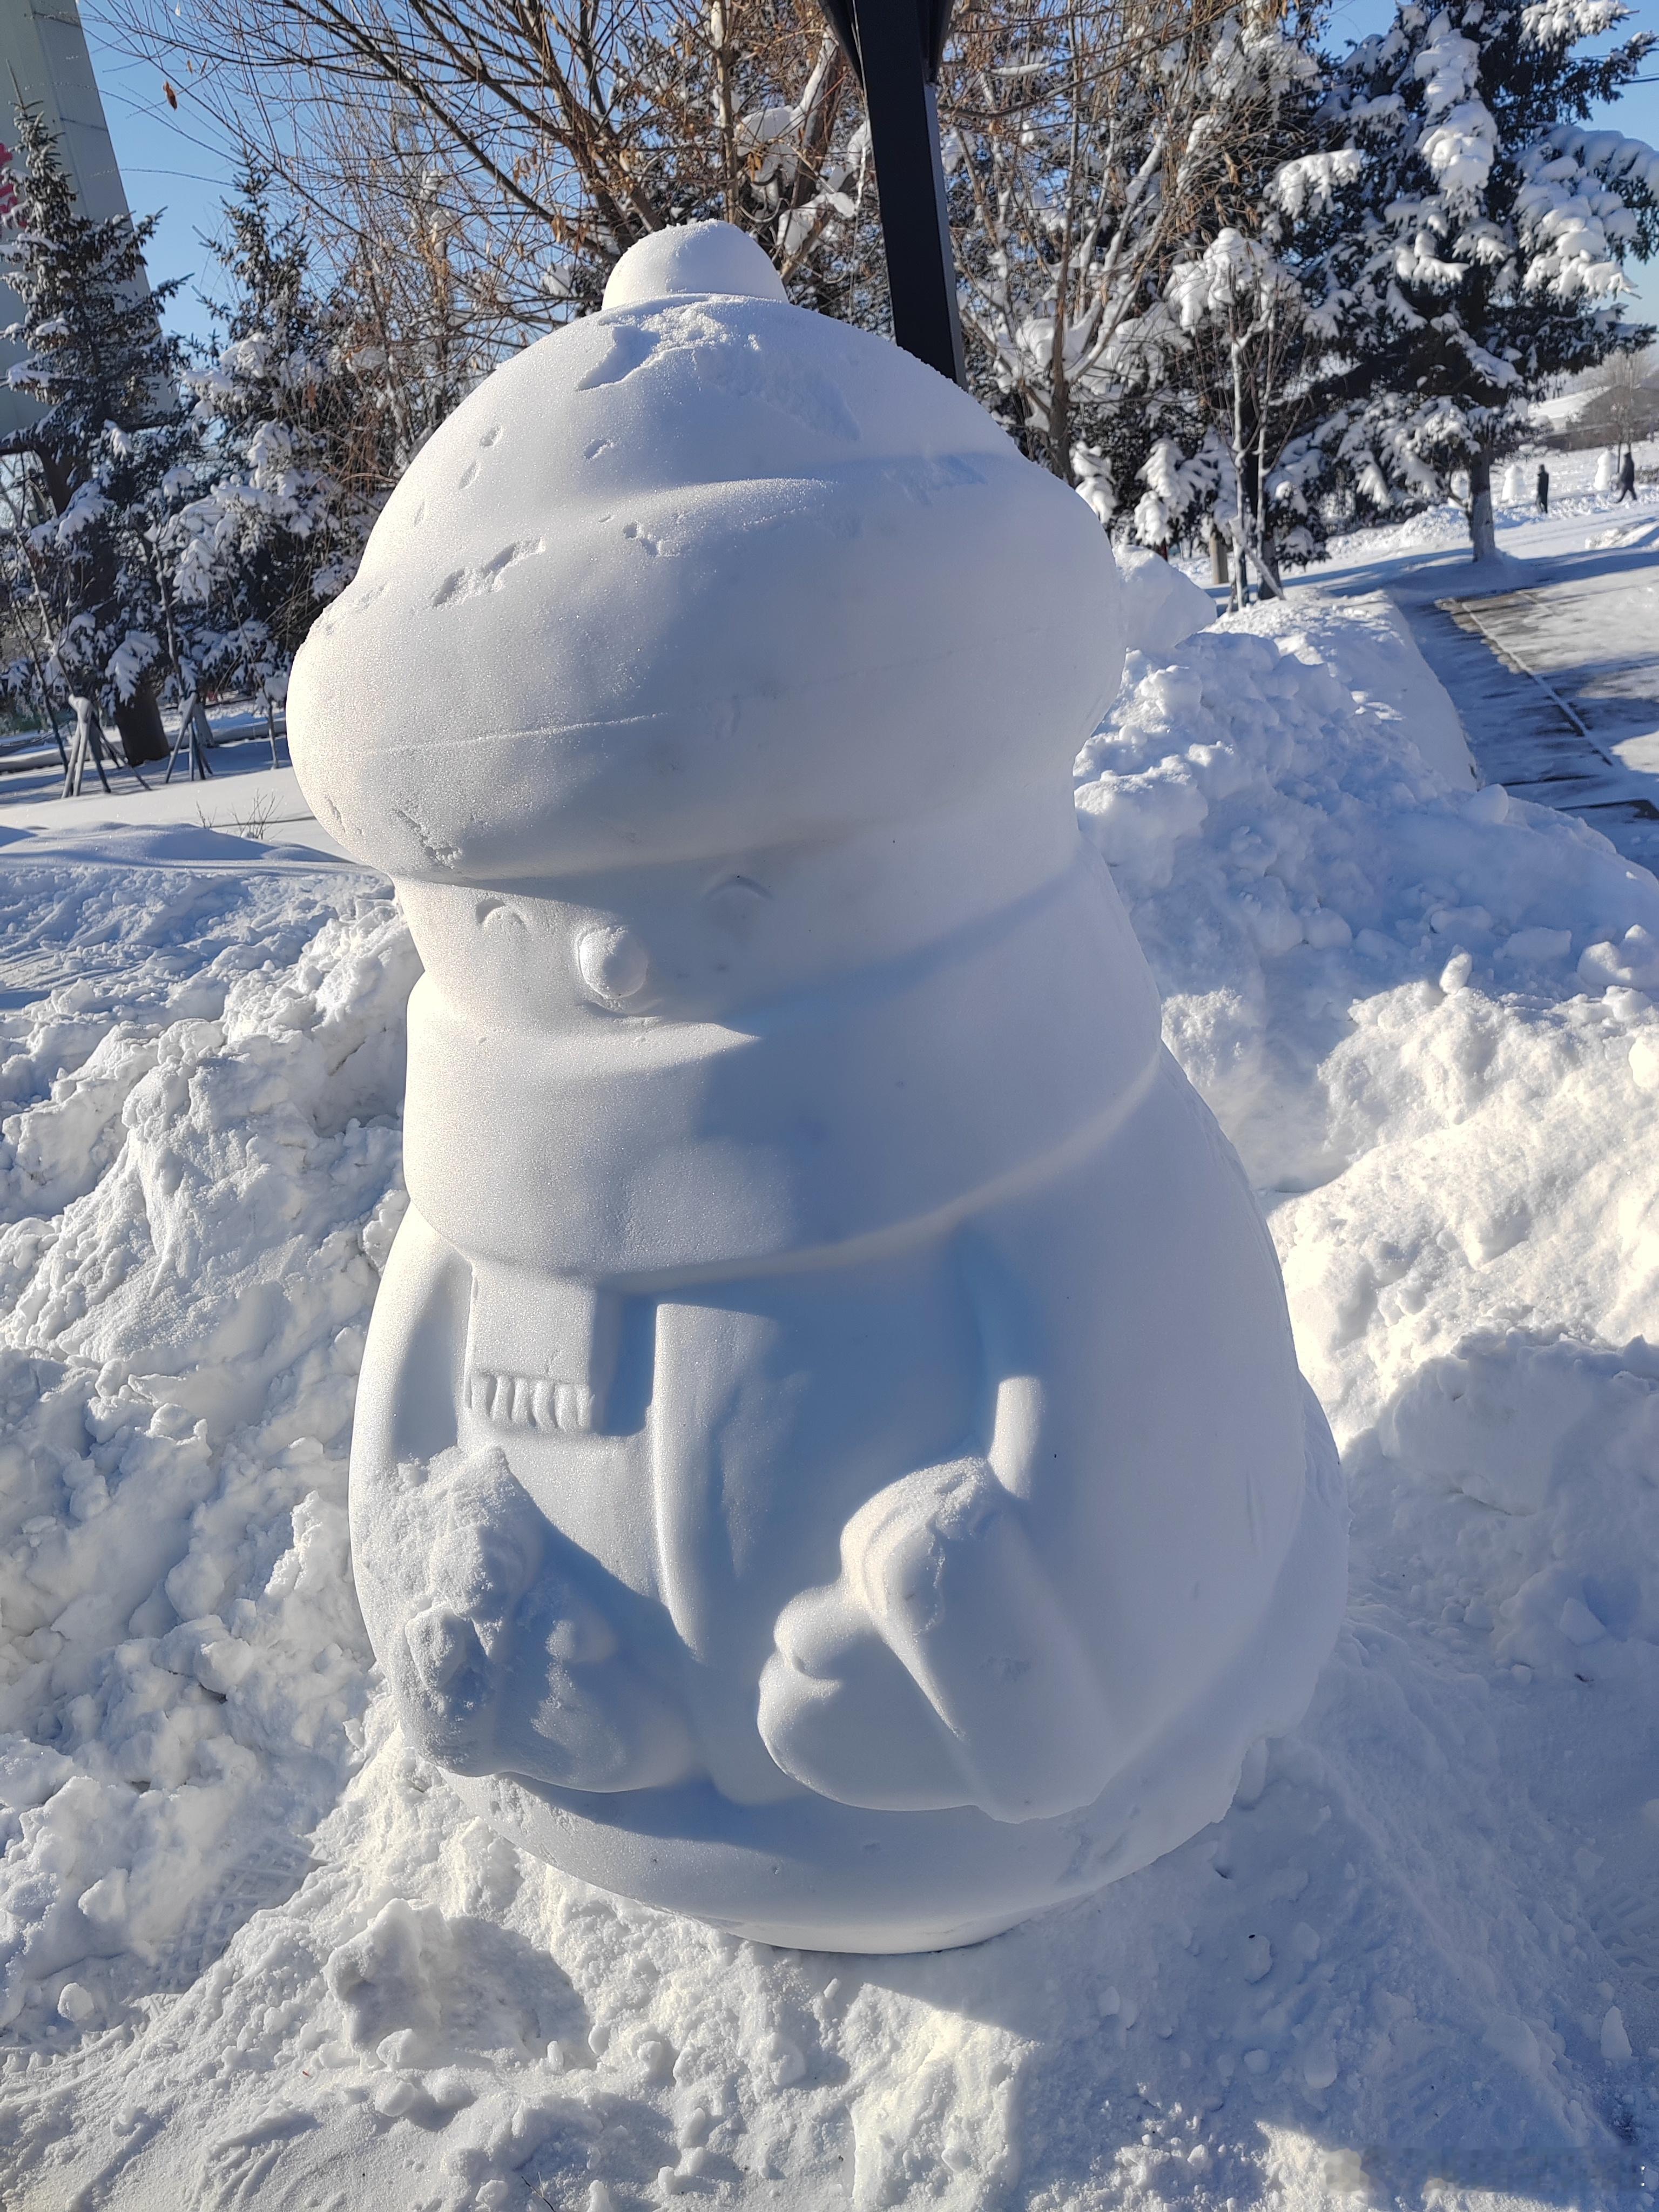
[895, 47]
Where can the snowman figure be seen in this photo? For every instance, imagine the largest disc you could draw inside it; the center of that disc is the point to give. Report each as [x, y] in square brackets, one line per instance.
[829, 1456]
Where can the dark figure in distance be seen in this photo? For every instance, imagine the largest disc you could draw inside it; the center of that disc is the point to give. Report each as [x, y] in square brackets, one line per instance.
[1626, 477]
[1543, 490]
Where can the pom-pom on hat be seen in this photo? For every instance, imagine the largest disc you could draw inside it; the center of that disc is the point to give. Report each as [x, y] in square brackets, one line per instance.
[701, 260]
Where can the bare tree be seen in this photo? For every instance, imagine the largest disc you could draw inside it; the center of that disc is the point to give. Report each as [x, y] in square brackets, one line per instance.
[1094, 141]
[528, 145]
[1629, 393]
[474, 167]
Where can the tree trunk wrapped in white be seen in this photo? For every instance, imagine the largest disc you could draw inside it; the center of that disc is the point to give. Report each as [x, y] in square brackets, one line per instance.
[830, 1457]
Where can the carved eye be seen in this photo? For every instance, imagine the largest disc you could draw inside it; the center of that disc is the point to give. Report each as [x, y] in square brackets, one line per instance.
[612, 963]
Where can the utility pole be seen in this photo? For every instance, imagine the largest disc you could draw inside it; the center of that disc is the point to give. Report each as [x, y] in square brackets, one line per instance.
[895, 47]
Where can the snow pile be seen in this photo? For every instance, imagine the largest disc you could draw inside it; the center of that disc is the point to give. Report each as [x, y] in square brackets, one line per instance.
[1161, 605]
[196, 1164]
[1369, 640]
[1419, 1956]
[1406, 1001]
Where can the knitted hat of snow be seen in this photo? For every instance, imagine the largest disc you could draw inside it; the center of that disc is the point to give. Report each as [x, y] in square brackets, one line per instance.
[703, 571]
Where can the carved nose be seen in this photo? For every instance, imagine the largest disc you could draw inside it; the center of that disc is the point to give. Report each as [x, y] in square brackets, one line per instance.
[612, 963]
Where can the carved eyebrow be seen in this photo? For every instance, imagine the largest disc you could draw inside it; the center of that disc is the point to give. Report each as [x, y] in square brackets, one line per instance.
[737, 884]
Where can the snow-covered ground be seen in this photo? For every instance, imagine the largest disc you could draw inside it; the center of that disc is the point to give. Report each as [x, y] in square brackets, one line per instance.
[253, 1952]
[1578, 511]
[245, 796]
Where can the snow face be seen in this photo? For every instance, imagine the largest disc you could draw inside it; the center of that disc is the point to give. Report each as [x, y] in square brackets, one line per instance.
[750, 1436]
[304, 1958]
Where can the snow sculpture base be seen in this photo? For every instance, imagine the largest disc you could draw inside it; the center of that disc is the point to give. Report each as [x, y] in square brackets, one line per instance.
[829, 1456]
[816, 1875]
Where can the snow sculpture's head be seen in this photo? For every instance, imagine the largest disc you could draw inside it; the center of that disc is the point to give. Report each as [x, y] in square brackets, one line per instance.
[700, 576]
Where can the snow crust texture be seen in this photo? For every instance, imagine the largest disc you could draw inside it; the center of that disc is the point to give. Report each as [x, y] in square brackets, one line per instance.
[257, 1952]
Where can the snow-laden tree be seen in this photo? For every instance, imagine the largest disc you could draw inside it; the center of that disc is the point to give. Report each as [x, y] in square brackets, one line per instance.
[104, 448]
[1092, 142]
[1180, 489]
[1200, 389]
[287, 479]
[1251, 336]
[1477, 249]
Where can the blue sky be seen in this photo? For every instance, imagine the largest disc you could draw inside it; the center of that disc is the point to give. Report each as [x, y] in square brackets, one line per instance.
[170, 162]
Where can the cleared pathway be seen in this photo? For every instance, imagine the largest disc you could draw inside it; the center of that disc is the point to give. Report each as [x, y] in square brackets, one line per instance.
[1552, 659]
[1556, 707]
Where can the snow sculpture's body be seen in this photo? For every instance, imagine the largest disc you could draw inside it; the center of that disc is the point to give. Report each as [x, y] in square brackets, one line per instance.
[829, 1456]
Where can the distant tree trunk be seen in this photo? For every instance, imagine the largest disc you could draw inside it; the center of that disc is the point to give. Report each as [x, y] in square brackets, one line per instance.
[1482, 531]
[1266, 558]
[139, 721]
[1239, 597]
[1272, 586]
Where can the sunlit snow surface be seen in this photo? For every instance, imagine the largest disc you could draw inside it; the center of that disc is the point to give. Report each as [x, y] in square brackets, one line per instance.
[254, 1955]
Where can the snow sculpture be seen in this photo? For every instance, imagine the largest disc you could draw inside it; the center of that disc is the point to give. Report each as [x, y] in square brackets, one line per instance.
[829, 1456]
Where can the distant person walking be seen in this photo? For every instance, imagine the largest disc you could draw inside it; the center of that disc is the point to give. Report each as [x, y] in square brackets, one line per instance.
[1543, 490]
[1626, 477]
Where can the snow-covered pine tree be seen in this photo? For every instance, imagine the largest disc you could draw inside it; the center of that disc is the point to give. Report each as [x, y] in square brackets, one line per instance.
[1175, 357]
[291, 494]
[1477, 251]
[109, 436]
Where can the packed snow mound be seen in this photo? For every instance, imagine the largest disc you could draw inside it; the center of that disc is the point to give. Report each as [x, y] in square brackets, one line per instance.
[1411, 1960]
[1366, 637]
[96, 833]
[1162, 605]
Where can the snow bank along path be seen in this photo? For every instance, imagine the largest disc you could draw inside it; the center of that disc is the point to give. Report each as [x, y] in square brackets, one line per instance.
[253, 1953]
